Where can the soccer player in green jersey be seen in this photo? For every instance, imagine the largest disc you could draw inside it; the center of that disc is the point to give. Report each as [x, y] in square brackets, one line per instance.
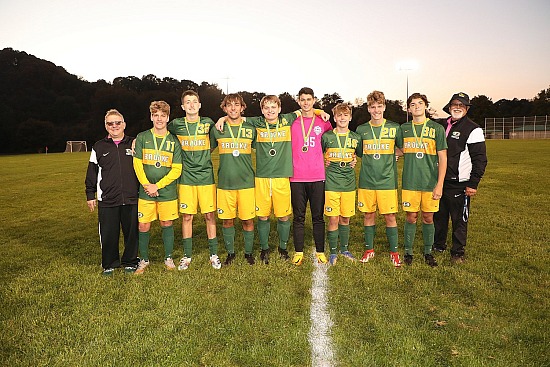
[425, 164]
[196, 185]
[378, 175]
[340, 147]
[235, 176]
[157, 162]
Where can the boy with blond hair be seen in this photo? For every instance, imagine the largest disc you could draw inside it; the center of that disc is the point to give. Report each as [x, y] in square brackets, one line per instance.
[378, 175]
[157, 162]
[340, 146]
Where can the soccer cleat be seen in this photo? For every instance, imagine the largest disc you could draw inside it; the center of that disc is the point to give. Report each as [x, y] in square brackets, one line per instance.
[367, 255]
[332, 259]
[215, 261]
[408, 259]
[394, 256]
[141, 267]
[229, 259]
[169, 263]
[264, 256]
[297, 258]
[438, 248]
[430, 260]
[249, 258]
[184, 263]
[348, 255]
[108, 272]
[321, 258]
[130, 269]
[283, 253]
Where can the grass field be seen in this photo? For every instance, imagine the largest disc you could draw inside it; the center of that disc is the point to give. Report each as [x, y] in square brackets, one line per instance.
[57, 310]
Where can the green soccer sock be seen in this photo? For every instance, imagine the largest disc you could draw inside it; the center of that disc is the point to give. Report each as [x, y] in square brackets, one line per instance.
[143, 243]
[391, 234]
[248, 241]
[229, 239]
[343, 233]
[428, 232]
[409, 233]
[283, 229]
[370, 231]
[264, 227]
[168, 240]
[213, 245]
[187, 246]
[332, 238]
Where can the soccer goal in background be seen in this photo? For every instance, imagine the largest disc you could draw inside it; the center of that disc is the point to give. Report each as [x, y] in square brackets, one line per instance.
[76, 146]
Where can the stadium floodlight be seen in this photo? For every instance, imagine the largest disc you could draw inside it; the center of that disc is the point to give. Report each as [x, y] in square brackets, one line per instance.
[406, 66]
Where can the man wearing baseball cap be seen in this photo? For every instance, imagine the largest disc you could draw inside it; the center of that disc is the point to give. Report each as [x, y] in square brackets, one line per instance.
[466, 162]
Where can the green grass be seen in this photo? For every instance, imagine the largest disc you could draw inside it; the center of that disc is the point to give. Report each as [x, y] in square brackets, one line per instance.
[57, 310]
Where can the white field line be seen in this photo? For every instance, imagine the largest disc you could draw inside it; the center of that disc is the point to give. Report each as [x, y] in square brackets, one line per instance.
[320, 341]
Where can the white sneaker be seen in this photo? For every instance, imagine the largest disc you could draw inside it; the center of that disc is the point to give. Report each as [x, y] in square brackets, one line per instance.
[169, 263]
[141, 267]
[215, 262]
[184, 263]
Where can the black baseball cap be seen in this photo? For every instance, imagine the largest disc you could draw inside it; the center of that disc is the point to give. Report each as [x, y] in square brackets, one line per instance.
[462, 97]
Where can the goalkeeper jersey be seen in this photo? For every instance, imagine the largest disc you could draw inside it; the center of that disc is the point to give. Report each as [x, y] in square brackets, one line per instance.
[158, 159]
[339, 149]
[273, 146]
[378, 165]
[194, 140]
[420, 147]
[235, 145]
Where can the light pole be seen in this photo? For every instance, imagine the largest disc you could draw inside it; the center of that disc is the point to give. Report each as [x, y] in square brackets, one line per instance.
[407, 66]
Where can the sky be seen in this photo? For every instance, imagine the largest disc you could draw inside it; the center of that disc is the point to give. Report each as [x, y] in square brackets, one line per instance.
[350, 47]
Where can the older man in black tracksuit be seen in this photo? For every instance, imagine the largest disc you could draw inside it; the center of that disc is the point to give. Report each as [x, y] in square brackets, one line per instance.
[466, 162]
[112, 179]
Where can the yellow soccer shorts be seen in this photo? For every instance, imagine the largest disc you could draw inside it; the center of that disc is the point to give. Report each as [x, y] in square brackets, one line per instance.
[386, 200]
[192, 197]
[340, 203]
[414, 201]
[231, 202]
[150, 210]
[273, 192]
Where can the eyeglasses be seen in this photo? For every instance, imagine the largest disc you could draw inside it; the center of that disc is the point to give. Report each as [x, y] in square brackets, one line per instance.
[111, 123]
[458, 105]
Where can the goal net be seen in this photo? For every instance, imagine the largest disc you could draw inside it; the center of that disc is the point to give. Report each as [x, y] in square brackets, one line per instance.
[76, 146]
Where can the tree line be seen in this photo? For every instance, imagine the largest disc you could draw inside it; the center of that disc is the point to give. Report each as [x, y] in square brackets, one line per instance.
[43, 105]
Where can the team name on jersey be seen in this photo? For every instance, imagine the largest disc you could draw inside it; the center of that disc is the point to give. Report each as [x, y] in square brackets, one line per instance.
[414, 145]
[368, 147]
[240, 146]
[347, 155]
[272, 134]
[150, 157]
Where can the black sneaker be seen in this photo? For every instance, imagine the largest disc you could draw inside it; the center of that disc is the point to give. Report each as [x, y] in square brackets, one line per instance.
[408, 259]
[249, 258]
[438, 248]
[283, 253]
[229, 259]
[264, 256]
[430, 260]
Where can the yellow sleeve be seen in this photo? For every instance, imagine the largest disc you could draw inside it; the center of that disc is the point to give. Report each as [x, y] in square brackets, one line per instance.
[174, 174]
[140, 172]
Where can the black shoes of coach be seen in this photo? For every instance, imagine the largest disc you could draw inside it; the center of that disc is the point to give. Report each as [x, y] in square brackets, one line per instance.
[438, 248]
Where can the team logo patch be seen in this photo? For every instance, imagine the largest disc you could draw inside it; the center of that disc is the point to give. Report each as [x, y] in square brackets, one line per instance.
[406, 204]
[183, 206]
[129, 152]
[328, 209]
[455, 135]
[360, 204]
[220, 211]
[317, 130]
[257, 208]
[140, 215]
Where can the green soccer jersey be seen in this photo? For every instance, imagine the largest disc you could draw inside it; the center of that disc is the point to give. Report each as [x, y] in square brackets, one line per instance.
[158, 154]
[194, 139]
[420, 147]
[339, 150]
[378, 165]
[235, 145]
[273, 146]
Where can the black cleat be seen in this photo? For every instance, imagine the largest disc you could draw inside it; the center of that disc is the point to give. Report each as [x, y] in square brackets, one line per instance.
[229, 259]
[283, 253]
[264, 256]
[408, 259]
[249, 258]
[430, 260]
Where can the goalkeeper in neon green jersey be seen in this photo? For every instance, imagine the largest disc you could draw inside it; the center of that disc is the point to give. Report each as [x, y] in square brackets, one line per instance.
[157, 162]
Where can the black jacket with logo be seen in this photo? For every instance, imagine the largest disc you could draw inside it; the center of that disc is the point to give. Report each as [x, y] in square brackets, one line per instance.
[466, 153]
[111, 173]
